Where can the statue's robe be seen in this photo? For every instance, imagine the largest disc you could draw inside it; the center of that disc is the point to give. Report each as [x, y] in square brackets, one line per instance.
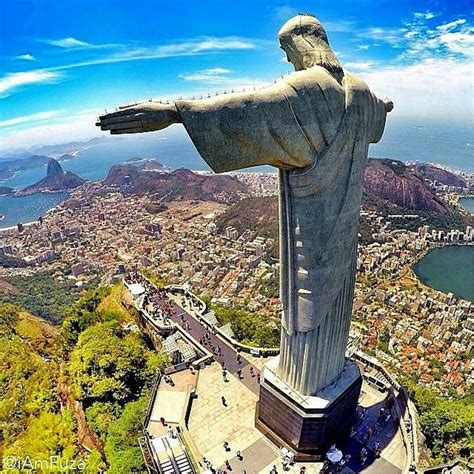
[317, 132]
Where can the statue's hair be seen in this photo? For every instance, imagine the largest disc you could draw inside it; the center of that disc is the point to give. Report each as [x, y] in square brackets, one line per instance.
[306, 34]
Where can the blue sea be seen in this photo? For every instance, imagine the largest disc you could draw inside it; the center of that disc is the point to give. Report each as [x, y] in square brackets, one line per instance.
[447, 144]
[27, 208]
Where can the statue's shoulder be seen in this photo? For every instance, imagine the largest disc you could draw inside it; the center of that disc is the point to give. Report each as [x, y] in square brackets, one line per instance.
[316, 77]
[355, 83]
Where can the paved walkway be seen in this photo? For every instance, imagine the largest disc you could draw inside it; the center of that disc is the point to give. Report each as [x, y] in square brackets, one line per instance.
[213, 422]
[228, 355]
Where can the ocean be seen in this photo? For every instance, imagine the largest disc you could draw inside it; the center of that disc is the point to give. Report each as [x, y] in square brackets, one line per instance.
[27, 208]
[406, 140]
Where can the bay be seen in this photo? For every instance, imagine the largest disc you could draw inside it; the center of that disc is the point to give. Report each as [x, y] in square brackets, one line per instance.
[27, 208]
[449, 269]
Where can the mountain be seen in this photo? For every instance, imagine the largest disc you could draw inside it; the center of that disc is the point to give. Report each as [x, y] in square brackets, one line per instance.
[390, 188]
[146, 164]
[434, 173]
[56, 180]
[397, 183]
[21, 164]
[180, 184]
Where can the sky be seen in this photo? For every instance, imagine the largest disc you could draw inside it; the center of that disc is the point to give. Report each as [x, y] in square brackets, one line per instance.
[63, 63]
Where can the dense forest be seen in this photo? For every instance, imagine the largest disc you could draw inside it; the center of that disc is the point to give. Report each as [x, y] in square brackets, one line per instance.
[447, 424]
[95, 366]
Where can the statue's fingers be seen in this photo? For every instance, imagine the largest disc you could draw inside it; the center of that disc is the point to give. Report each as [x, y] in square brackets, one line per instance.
[126, 130]
[122, 125]
[118, 119]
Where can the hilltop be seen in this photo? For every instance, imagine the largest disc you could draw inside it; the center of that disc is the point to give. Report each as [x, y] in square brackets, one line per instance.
[391, 187]
[56, 180]
[398, 184]
[432, 172]
[180, 184]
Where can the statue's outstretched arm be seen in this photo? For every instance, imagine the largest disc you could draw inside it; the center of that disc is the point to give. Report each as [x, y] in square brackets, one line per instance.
[144, 117]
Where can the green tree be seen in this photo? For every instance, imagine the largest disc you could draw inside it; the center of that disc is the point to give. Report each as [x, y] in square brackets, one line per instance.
[107, 366]
[82, 314]
[51, 434]
[100, 415]
[121, 448]
[446, 423]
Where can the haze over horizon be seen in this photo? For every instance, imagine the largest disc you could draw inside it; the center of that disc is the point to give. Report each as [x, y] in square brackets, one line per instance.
[57, 75]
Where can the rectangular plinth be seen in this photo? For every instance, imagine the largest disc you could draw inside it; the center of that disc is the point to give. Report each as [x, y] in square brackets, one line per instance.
[308, 425]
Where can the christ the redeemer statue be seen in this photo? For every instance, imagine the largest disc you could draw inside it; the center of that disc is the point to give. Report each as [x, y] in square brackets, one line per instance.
[315, 125]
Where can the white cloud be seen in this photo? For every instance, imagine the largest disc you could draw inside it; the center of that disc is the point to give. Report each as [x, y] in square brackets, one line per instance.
[69, 42]
[29, 118]
[451, 25]
[385, 35]
[26, 57]
[433, 88]
[185, 48]
[359, 65]
[208, 75]
[428, 15]
[459, 43]
[14, 80]
[423, 41]
[72, 128]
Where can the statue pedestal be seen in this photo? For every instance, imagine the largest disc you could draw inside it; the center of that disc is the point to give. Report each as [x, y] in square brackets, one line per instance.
[307, 425]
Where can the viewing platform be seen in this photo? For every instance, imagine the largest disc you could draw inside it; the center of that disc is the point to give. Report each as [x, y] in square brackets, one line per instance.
[208, 408]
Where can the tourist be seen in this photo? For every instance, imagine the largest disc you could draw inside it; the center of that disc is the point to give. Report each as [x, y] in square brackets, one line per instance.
[239, 455]
[226, 446]
[363, 455]
[224, 401]
[368, 435]
[377, 449]
[377, 428]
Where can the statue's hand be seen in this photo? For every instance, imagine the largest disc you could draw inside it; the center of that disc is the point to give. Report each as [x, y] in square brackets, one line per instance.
[388, 104]
[143, 117]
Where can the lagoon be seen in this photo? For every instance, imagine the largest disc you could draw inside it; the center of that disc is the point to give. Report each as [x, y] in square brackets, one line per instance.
[468, 204]
[449, 269]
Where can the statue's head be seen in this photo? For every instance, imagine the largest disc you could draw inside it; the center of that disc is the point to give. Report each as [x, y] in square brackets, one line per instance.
[305, 42]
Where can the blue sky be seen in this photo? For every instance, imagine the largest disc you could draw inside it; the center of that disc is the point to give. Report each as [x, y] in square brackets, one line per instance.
[62, 63]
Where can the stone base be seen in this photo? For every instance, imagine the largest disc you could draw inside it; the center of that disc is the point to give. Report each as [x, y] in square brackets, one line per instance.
[307, 425]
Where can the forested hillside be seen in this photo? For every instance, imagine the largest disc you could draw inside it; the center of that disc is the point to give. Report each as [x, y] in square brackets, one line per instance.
[78, 391]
